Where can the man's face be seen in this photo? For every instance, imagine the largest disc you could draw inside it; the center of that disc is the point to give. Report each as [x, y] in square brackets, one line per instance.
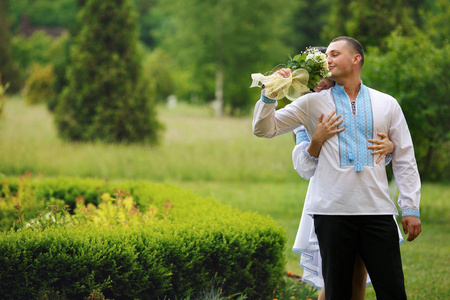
[340, 59]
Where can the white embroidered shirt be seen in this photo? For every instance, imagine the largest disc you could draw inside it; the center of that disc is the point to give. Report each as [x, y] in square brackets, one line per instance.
[348, 182]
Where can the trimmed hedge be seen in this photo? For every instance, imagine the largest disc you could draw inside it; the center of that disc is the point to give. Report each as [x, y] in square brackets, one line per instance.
[202, 241]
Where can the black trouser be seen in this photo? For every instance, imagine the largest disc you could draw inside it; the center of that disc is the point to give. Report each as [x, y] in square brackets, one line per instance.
[376, 240]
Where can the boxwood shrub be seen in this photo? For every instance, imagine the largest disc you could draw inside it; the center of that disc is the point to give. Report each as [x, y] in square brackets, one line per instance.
[201, 242]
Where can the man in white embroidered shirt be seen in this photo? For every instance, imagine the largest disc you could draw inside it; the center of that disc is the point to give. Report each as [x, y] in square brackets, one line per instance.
[352, 208]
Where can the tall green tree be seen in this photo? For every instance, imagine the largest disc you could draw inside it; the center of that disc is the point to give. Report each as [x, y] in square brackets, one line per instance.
[309, 18]
[60, 13]
[9, 71]
[369, 21]
[222, 42]
[146, 22]
[106, 97]
[414, 69]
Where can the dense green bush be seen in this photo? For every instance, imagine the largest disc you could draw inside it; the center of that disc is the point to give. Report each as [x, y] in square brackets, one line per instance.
[42, 49]
[39, 86]
[157, 69]
[39, 48]
[48, 191]
[180, 256]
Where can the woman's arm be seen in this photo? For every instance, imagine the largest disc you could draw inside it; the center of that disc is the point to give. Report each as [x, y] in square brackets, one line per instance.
[304, 164]
[306, 152]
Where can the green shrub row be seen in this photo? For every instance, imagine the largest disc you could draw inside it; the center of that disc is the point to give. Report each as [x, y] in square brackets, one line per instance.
[37, 193]
[202, 241]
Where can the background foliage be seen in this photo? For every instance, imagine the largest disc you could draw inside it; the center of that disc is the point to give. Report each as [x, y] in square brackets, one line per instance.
[9, 69]
[415, 72]
[406, 46]
[203, 52]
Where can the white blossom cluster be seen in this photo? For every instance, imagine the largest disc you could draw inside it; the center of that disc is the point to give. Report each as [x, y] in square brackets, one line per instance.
[320, 59]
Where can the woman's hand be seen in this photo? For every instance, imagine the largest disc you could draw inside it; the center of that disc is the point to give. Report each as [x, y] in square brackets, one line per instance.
[382, 147]
[324, 84]
[327, 128]
[324, 130]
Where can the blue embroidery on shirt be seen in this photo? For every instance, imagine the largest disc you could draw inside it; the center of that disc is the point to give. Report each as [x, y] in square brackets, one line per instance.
[411, 213]
[388, 159]
[301, 136]
[265, 99]
[358, 128]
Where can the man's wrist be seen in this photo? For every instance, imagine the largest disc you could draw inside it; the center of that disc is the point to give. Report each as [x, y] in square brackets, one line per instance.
[265, 99]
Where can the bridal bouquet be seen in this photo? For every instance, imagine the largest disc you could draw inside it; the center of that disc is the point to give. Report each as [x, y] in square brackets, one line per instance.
[309, 67]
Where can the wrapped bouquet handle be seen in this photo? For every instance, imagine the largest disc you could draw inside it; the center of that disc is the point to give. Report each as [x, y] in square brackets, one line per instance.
[309, 67]
[278, 87]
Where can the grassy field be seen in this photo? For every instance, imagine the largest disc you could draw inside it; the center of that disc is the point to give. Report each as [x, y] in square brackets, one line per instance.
[219, 158]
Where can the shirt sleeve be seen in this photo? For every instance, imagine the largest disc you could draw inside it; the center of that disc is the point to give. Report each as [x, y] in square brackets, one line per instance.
[269, 122]
[304, 163]
[404, 164]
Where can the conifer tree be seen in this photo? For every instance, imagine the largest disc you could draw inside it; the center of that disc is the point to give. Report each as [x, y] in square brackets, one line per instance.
[107, 96]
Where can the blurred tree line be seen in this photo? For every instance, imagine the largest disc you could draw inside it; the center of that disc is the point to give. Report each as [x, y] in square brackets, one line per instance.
[204, 51]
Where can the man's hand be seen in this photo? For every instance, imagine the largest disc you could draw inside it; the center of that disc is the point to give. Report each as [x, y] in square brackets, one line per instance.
[383, 147]
[413, 226]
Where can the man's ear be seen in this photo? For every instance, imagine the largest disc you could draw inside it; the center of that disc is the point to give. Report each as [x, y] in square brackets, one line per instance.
[356, 59]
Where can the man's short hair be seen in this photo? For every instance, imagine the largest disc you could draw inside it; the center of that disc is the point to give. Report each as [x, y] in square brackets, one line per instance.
[354, 44]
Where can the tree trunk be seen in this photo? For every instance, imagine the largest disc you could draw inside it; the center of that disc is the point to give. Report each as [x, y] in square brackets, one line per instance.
[218, 105]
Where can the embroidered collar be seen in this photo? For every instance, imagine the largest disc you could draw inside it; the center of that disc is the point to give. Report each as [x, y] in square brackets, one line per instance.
[358, 127]
[340, 88]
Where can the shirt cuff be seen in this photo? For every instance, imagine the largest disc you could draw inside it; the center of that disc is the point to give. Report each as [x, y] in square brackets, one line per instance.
[309, 155]
[265, 99]
[411, 213]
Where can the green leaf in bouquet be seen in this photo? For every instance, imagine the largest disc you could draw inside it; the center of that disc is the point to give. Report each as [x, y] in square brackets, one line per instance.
[293, 65]
[300, 57]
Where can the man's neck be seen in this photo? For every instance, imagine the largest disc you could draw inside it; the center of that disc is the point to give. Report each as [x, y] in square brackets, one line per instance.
[351, 87]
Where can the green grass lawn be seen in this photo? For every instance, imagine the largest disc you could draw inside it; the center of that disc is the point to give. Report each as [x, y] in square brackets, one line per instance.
[220, 158]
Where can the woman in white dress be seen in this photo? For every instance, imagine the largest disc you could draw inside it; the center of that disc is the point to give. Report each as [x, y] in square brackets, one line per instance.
[305, 158]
